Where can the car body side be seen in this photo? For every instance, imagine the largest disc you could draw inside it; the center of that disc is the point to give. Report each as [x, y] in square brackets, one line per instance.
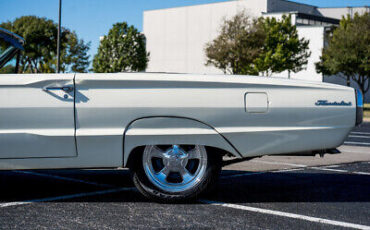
[115, 113]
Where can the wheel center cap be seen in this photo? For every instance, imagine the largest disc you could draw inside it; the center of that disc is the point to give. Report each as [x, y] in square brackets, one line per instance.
[175, 156]
[174, 162]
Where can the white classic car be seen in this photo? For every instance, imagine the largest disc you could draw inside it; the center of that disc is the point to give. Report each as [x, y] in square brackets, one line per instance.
[171, 130]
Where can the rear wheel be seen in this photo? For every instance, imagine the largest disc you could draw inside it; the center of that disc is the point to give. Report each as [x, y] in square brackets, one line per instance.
[172, 173]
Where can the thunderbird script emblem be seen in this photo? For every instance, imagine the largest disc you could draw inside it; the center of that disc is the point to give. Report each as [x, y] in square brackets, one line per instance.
[334, 103]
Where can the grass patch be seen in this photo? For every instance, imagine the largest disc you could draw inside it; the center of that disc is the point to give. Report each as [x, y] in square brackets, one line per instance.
[367, 110]
[367, 113]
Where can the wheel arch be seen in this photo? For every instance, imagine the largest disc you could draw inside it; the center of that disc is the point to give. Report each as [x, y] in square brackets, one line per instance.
[170, 130]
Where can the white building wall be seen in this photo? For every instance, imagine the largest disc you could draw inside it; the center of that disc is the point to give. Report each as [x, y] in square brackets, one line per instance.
[279, 16]
[176, 37]
[315, 34]
[342, 11]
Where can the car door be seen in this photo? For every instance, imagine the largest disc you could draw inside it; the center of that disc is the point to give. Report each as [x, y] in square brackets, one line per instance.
[37, 116]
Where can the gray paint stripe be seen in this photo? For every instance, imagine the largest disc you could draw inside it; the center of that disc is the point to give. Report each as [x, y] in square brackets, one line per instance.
[64, 178]
[362, 133]
[356, 143]
[299, 167]
[357, 136]
[257, 173]
[66, 197]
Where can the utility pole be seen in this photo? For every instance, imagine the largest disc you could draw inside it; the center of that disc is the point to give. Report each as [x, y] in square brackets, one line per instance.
[59, 34]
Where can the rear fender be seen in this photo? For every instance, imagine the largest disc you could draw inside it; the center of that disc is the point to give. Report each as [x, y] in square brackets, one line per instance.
[172, 130]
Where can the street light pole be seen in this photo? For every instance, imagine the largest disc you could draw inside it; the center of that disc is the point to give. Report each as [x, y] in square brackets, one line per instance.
[59, 34]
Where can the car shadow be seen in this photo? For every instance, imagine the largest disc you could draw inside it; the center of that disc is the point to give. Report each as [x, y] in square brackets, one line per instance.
[300, 186]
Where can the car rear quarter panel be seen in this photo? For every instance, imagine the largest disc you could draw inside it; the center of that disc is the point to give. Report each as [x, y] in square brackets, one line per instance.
[107, 103]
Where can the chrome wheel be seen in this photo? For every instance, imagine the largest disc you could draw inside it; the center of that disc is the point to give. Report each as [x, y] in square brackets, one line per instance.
[175, 168]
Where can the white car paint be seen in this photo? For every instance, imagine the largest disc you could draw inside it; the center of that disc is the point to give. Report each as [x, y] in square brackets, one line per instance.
[35, 122]
[115, 113]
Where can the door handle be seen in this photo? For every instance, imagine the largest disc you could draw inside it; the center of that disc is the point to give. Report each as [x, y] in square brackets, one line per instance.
[64, 88]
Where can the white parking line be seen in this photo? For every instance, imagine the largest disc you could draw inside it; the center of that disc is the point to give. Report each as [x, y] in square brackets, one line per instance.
[65, 197]
[329, 169]
[357, 136]
[64, 178]
[256, 173]
[363, 133]
[363, 173]
[323, 168]
[279, 163]
[300, 167]
[241, 175]
[288, 215]
[287, 170]
[356, 143]
[332, 166]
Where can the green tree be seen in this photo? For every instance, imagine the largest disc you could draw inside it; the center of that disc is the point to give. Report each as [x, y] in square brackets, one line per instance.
[282, 49]
[74, 54]
[253, 46]
[237, 46]
[123, 49]
[7, 69]
[40, 48]
[348, 51]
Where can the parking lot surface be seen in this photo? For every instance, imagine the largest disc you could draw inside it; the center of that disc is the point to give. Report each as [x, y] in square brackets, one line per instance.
[270, 192]
[360, 136]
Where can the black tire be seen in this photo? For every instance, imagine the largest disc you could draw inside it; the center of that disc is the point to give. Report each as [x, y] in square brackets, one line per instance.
[152, 192]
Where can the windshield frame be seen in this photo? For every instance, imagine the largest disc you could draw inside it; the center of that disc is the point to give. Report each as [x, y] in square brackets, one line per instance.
[15, 42]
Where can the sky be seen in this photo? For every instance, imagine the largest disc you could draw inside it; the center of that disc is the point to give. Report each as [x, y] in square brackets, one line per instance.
[93, 18]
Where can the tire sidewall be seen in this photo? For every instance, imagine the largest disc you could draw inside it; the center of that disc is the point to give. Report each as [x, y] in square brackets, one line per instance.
[149, 190]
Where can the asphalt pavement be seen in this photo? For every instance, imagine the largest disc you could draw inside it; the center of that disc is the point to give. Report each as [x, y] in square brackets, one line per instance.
[270, 192]
[360, 136]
